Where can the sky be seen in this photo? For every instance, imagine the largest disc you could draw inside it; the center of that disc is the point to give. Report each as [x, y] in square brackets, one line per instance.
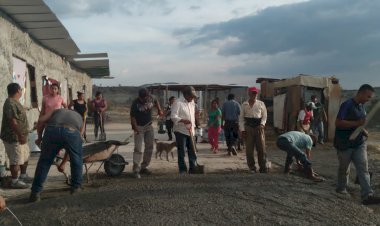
[227, 41]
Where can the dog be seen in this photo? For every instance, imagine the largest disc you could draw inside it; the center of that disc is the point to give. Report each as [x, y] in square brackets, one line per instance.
[167, 147]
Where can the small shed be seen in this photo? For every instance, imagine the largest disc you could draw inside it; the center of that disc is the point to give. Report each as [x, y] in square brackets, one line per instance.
[291, 94]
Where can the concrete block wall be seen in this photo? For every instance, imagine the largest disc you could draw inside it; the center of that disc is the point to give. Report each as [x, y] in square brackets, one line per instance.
[17, 43]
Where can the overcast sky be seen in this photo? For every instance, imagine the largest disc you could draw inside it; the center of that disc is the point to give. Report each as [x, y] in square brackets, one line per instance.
[227, 41]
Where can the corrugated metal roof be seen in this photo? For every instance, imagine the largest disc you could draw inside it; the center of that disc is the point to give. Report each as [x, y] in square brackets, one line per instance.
[36, 18]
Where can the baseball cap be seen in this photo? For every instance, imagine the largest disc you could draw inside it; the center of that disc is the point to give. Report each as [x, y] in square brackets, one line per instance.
[189, 91]
[311, 105]
[143, 92]
[253, 89]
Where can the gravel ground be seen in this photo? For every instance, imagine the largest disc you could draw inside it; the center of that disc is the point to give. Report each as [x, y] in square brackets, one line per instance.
[227, 195]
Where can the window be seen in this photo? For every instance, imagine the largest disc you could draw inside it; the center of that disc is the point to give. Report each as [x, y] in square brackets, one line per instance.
[33, 87]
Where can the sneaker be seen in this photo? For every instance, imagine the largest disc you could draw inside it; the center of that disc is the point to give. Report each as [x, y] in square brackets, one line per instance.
[370, 200]
[252, 171]
[75, 191]
[136, 175]
[19, 185]
[26, 179]
[342, 191]
[233, 150]
[183, 173]
[145, 171]
[35, 197]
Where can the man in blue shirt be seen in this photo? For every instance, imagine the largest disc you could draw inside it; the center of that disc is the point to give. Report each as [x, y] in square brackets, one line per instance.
[298, 144]
[351, 115]
[230, 122]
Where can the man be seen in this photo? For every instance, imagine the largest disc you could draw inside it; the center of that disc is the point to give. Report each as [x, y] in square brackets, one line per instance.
[141, 121]
[252, 122]
[169, 122]
[298, 145]
[14, 133]
[230, 117]
[319, 117]
[183, 116]
[350, 116]
[62, 130]
[305, 116]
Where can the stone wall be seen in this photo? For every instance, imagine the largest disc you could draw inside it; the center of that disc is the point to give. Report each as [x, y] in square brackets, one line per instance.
[16, 43]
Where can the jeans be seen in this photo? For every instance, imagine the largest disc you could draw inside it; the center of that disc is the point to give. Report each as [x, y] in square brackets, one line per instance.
[183, 143]
[231, 132]
[99, 123]
[146, 135]
[317, 127]
[359, 157]
[54, 139]
[169, 127]
[292, 150]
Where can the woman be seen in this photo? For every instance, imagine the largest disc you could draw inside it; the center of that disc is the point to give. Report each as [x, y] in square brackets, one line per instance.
[52, 101]
[99, 106]
[169, 122]
[80, 106]
[214, 125]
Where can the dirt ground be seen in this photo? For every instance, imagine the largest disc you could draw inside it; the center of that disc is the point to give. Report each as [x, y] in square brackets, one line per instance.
[226, 195]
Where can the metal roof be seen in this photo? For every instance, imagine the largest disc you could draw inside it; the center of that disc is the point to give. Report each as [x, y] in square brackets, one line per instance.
[36, 18]
[198, 87]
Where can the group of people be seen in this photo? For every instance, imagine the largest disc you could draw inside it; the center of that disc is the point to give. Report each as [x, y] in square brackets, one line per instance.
[248, 122]
[60, 128]
[311, 119]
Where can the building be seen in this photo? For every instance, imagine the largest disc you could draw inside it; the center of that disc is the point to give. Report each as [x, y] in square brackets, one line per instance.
[36, 50]
[290, 96]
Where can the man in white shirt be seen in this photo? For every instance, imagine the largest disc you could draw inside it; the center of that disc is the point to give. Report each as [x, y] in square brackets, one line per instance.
[183, 117]
[252, 120]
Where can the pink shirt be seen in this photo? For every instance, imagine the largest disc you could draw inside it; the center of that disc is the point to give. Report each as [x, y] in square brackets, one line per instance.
[52, 103]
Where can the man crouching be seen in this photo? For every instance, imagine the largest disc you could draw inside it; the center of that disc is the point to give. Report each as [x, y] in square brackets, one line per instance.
[62, 130]
[294, 142]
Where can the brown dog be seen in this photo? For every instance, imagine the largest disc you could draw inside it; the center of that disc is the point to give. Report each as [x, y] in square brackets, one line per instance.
[167, 147]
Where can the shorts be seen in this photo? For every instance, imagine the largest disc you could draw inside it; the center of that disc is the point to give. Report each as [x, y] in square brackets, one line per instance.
[17, 153]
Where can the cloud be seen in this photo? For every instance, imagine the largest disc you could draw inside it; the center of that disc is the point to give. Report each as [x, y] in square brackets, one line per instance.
[85, 8]
[321, 36]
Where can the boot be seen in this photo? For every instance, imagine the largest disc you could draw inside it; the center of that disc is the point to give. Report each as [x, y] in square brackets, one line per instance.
[312, 176]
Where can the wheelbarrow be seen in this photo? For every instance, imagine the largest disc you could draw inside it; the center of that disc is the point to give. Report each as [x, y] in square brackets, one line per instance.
[103, 151]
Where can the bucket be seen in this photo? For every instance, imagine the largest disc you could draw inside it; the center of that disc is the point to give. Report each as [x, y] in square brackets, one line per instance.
[198, 132]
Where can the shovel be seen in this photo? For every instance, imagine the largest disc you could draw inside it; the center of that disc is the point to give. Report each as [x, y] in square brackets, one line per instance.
[198, 169]
[102, 131]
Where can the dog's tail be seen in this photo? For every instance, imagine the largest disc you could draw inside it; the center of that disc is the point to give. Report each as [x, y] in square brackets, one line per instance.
[155, 141]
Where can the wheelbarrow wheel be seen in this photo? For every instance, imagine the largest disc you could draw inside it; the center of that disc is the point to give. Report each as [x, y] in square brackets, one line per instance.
[115, 165]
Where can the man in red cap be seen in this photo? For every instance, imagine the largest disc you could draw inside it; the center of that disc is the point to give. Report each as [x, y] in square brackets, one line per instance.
[252, 120]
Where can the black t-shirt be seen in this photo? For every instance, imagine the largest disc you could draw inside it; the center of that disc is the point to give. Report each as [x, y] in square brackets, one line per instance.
[142, 111]
[80, 108]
